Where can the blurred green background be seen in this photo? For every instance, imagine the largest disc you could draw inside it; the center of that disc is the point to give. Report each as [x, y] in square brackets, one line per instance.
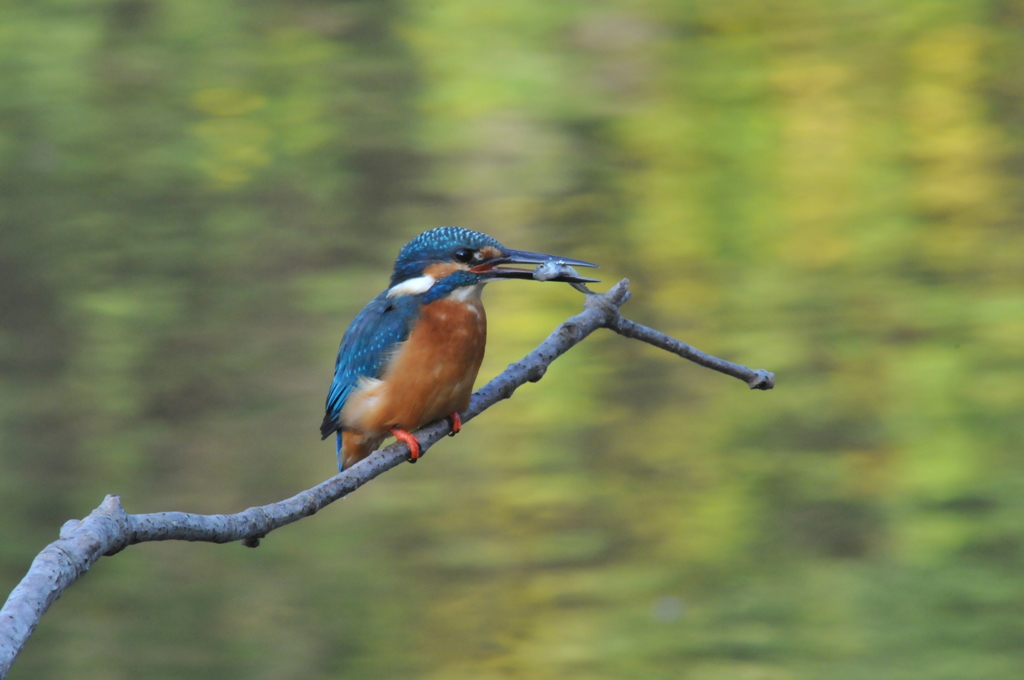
[197, 196]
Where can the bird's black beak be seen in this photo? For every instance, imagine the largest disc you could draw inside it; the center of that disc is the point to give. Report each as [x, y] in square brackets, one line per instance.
[562, 274]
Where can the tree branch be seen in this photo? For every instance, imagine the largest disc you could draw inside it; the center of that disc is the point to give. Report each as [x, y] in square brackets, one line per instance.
[759, 379]
[108, 529]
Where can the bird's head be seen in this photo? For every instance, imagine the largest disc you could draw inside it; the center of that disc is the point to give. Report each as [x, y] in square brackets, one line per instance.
[445, 259]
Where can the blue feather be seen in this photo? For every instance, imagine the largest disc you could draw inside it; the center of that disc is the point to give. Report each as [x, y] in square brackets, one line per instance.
[436, 245]
[366, 348]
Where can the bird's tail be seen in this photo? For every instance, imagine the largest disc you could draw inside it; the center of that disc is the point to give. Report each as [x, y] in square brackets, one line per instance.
[341, 462]
[353, 446]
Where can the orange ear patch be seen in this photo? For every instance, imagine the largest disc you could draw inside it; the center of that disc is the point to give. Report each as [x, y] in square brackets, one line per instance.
[490, 252]
[442, 269]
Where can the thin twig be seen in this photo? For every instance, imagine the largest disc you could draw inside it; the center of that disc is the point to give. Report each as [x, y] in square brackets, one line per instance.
[108, 529]
[758, 379]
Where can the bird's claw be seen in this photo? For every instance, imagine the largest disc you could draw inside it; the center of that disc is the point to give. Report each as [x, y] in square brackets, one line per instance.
[411, 442]
[456, 422]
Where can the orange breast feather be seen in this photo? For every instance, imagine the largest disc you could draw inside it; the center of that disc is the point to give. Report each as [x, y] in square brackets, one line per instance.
[431, 374]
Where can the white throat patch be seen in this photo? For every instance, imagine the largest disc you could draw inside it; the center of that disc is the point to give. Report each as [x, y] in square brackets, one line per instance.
[466, 293]
[420, 284]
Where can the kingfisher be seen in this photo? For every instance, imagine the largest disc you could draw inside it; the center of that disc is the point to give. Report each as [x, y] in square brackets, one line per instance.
[411, 356]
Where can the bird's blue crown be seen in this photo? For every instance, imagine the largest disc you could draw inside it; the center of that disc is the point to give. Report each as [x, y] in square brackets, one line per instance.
[436, 245]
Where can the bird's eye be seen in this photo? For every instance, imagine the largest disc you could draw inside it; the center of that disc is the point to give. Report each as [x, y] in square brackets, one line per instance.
[464, 255]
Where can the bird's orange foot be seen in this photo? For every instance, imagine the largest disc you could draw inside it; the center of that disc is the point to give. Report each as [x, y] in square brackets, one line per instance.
[414, 445]
[456, 423]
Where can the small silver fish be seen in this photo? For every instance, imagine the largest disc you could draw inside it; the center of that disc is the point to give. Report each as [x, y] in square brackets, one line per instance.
[556, 270]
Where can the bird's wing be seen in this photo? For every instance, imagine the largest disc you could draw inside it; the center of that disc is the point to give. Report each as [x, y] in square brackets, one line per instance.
[366, 348]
